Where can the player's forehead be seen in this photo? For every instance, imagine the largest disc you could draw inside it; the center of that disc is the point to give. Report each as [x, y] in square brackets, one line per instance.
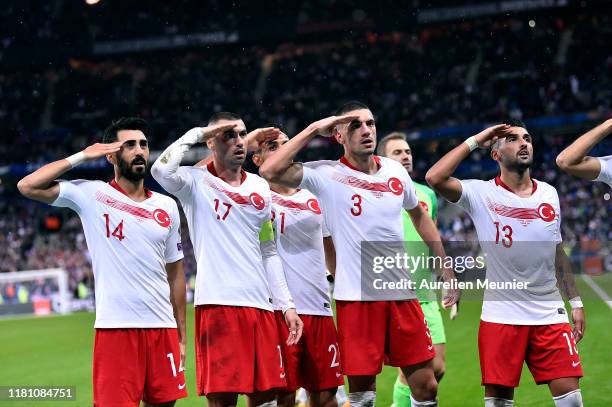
[282, 138]
[240, 126]
[397, 144]
[363, 114]
[130, 135]
[518, 131]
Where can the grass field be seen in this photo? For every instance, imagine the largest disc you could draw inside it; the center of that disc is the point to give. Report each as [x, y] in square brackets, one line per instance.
[57, 351]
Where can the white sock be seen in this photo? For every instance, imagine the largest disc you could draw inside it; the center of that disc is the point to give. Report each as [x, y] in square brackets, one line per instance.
[271, 403]
[362, 398]
[302, 396]
[430, 403]
[341, 396]
[571, 399]
[498, 402]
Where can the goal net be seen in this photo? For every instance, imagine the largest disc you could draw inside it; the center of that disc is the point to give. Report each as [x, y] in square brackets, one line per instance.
[35, 292]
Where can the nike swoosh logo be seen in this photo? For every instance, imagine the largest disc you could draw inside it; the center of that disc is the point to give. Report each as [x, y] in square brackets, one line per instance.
[430, 347]
[338, 375]
[574, 364]
[181, 386]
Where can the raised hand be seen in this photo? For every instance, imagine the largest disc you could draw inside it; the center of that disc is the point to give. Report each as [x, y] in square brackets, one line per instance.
[257, 137]
[205, 133]
[325, 127]
[101, 149]
[490, 135]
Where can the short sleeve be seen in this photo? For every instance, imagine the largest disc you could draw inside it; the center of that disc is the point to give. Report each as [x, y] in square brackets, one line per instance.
[325, 229]
[410, 196]
[559, 238]
[174, 247]
[605, 174]
[312, 179]
[434, 204]
[468, 194]
[72, 195]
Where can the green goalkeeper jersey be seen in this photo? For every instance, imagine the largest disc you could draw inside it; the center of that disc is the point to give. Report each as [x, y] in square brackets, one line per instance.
[415, 246]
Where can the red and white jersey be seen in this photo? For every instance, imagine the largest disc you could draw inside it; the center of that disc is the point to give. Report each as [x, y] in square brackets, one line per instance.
[299, 231]
[605, 175]
[360, 207]
[130, 244]
[224, 227]
[519, 237]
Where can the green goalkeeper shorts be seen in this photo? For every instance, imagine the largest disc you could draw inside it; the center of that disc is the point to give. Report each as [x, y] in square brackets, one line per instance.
[431, 310]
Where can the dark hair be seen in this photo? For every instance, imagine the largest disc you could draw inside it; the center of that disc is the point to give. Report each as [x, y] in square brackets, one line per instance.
[124, 123]
[514, 123]
[223, 116]
[349, 107]
[282, 128]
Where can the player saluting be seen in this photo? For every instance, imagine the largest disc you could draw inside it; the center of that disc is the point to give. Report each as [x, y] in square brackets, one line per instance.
[299, 230]
[574, 159]
[239, 272]
[395, 147]
[133, 235]
[517, 219]
[362, 197]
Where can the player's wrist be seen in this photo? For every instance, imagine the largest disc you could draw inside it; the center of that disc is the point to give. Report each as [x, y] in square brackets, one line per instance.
[76, 159]
[576, 302]
[472, 143]
[194, 136]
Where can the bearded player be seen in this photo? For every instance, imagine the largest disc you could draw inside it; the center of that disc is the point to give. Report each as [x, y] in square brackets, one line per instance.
[575, 161]
[517, 219]
[395, 147]
[362, 197]
[240, 274]
[133, 235]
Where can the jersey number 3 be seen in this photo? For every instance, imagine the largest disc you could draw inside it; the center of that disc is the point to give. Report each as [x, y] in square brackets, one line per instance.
[356, 209]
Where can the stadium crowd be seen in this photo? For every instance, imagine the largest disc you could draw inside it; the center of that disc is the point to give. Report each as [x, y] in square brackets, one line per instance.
[414, 80]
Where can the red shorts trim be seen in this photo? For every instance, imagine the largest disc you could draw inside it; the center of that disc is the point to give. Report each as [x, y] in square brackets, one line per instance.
[314, 362]
[237, 350]
[549, 351]
[371, 333]
[134, 364]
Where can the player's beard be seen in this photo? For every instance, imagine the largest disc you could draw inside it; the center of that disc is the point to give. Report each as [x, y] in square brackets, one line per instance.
[519, 166]
[126, 169]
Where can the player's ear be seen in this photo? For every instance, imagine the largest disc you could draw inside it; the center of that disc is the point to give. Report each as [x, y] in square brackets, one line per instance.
[210, 143]
[257, 159]
[111, 158]
[494, 154]
[337, 135]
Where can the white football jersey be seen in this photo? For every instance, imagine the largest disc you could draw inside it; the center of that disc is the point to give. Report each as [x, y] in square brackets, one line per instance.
[299, 232]
[130, 244]
[519, 237]
[357, 208]
[605, 175]
[224, 226]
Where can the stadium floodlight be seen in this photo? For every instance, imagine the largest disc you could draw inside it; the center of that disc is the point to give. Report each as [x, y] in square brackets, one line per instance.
[92, 2]
[37, 292]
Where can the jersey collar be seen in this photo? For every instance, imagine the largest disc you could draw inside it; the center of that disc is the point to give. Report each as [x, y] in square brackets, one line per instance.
[346, 162]
[499, 182]
[211, 168]
[115, 185]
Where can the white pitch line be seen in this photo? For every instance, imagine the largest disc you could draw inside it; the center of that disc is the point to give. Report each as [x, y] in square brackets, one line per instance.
[602, 294]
